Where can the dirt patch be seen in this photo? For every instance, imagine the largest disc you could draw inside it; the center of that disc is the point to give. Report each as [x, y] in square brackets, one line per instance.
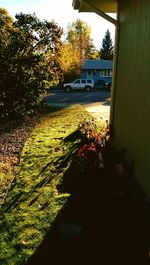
[12, 138]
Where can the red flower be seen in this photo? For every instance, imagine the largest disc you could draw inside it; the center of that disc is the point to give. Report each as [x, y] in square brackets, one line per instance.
[97, 137]
[85, 148]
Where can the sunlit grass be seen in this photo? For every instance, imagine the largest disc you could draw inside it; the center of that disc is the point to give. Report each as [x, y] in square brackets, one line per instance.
[6, 177]
[33, 201]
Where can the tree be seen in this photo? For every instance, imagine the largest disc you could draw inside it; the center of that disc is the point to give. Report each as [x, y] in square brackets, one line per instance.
[106, 51]
[95, 55]
[6, 26]
[69, 60]
[28, 60]
[79, 36]
[77, 47]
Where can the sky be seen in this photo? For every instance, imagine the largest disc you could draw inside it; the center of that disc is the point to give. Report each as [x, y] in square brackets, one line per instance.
[62, 12]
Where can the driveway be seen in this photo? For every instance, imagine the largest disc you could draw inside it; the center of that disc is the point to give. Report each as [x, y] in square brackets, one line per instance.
[96, 102]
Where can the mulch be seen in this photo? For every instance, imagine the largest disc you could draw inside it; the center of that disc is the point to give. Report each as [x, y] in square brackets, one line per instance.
[13, 135]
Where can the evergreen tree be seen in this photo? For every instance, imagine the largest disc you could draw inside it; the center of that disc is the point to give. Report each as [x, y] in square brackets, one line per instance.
[106, 51]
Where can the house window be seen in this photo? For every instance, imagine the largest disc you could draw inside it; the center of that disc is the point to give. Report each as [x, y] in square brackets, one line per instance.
[102, 72]
[105, 73]
[110, 72]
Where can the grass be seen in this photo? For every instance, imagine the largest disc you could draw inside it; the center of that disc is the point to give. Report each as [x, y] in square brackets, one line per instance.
[47, 179]
[33, 201]
[6, 177]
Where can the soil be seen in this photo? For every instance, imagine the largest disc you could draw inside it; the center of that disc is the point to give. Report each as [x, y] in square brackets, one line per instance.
[12, 138]
[13, 135]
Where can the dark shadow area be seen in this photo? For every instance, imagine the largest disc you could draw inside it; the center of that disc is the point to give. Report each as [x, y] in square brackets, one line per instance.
[105, 221]
[28, 122]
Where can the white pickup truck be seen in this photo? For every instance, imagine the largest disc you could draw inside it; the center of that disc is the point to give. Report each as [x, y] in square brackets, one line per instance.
[84, 84]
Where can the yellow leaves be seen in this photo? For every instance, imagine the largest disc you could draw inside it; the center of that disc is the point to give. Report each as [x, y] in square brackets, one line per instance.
[23, 242]
[69, 57]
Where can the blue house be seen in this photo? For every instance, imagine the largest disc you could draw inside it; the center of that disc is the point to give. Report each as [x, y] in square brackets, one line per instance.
[97, 70]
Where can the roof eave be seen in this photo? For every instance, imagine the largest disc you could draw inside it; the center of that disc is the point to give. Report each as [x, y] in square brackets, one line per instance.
[107, 6]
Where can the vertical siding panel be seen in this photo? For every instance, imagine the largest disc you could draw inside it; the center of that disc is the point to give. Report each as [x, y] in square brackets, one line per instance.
[138, 82]
[144, 154]
[132, 102]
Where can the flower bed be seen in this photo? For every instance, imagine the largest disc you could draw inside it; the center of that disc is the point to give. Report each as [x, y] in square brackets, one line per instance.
[93, 140]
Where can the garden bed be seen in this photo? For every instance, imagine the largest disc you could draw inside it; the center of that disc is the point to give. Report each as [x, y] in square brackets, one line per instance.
[12, 139]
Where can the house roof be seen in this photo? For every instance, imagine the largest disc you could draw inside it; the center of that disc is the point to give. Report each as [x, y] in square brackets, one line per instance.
[97, 64]
[108, 6]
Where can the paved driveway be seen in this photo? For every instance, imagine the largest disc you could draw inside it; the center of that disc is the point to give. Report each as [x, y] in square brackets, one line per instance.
[96, 102]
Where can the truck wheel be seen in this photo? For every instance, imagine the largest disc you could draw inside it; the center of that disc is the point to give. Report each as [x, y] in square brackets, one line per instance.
[68, 88]
[87, 88]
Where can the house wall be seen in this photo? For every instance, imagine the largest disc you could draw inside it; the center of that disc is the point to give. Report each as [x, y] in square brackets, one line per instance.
[132, 98]
[95, 75]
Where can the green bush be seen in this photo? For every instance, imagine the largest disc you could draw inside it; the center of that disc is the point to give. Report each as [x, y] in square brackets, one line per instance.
[28, 58]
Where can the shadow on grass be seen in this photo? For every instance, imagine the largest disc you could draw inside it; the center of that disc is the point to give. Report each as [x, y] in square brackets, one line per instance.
[96, 225]
[101, 222]
[55, 107]
[6, 126]
[67, 240]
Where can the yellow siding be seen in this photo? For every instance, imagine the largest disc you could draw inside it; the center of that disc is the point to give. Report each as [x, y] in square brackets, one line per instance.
[132, 101]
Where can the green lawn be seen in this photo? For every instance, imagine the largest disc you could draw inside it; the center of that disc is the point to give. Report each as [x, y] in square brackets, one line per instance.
[33, 201]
